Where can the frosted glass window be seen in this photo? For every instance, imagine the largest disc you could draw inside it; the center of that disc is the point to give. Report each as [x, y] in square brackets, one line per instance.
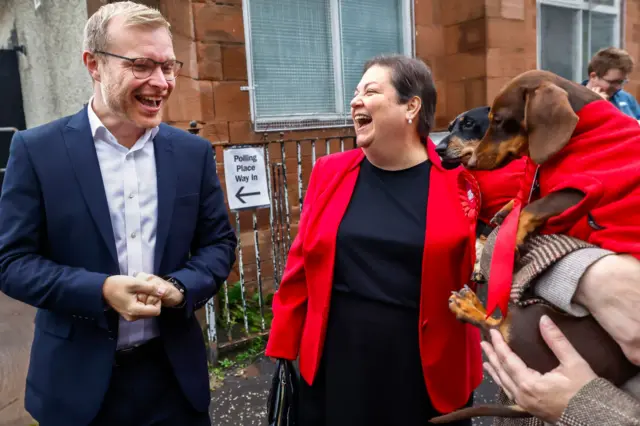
[306, 56]
[570, 32]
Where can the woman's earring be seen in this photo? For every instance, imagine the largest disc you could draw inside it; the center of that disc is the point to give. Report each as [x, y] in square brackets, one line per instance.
[410, 121]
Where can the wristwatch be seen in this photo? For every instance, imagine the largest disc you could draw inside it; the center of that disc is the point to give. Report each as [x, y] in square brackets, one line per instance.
[177, 284]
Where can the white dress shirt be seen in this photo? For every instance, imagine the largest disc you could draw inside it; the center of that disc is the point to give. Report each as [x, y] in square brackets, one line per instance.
[130, 183]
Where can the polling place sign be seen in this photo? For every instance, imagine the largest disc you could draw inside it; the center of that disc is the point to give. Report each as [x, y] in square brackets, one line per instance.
[246, 177]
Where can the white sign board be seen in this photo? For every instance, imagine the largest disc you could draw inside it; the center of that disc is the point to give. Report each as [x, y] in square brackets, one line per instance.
[246, 178]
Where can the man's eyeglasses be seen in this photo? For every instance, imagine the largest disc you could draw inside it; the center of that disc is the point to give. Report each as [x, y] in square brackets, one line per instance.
[143, 67]
[620, 82]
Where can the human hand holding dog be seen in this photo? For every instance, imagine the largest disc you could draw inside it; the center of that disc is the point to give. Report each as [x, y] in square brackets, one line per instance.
[171, 295]
[610, 291]
[121, 292]
[543, 395]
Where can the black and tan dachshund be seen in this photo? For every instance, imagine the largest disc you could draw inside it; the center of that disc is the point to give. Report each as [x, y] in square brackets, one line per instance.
[465, 133]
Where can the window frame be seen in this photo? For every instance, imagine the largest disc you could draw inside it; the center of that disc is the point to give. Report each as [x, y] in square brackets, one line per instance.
[579, 5]
[339, 119]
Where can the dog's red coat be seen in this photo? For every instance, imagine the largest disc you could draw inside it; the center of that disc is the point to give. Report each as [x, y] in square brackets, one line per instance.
[498, 187]
[602, 159]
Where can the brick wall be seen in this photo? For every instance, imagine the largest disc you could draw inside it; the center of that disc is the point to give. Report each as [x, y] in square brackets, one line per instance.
[631, 36]
[473, 46]
[476, 46]
[209, 39]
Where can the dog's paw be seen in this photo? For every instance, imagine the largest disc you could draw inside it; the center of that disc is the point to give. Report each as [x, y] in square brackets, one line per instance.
[467, 307]
[502, 214]
[470, 296]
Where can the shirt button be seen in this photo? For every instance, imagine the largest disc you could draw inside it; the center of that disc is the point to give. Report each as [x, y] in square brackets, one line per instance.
[131, 195]
[133, 234]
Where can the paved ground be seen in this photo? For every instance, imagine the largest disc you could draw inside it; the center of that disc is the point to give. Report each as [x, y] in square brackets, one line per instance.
[241, 399]
[16, 331]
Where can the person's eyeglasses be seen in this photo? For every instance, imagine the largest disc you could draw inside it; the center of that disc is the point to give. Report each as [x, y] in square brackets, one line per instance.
[620, 82]
[143, 67]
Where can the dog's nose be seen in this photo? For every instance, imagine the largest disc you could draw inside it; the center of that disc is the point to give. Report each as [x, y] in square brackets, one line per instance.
[441, 148]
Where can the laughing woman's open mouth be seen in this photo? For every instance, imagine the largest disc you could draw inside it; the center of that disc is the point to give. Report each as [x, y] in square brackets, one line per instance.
[362, 121]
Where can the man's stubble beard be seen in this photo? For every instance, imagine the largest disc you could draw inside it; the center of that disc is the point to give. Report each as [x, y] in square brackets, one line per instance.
[113, 99]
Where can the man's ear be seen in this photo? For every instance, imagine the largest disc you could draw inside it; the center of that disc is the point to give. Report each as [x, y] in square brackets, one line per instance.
[549, 120]
[91, 62]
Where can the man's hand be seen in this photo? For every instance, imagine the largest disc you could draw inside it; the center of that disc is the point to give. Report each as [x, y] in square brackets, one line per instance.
[543, 395]
[171, 295]
[610, 290]
[600, 92]
[121, 293]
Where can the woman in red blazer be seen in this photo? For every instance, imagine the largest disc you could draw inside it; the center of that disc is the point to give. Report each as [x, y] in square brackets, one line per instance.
[386, 234]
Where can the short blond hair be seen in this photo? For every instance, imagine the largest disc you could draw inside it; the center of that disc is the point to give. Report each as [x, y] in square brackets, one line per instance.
[96, 37]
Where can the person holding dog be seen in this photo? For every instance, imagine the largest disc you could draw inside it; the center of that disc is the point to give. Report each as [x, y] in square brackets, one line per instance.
[114, 226]
[571, 394]
[386, 234]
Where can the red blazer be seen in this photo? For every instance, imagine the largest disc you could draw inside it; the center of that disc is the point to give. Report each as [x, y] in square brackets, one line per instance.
[450, 350]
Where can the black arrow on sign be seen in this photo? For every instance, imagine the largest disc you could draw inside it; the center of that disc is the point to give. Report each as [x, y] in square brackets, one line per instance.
[239, 194]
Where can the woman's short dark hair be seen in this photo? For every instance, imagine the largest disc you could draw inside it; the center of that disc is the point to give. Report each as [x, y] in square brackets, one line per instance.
[411, 77]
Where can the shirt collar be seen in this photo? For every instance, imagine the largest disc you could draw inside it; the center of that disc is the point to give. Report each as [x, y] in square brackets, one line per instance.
[97, 126]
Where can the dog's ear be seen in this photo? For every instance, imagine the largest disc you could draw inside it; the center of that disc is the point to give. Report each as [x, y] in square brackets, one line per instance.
[549, 120]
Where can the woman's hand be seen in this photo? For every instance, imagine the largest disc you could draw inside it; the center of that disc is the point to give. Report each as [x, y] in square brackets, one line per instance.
[544, 395]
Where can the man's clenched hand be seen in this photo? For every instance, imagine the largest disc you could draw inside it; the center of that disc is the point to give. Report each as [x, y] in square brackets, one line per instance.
[121, 293]
[171, 295]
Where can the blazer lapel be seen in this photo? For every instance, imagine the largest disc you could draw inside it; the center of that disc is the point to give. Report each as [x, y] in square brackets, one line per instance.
[84, 159]
[326, 213]
[166, 174]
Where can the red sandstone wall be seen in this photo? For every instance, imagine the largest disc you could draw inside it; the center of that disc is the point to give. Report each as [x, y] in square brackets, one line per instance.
[473, 46]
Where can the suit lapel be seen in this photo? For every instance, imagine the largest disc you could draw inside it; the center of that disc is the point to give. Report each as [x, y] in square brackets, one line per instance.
[84, 159]
[167, 176]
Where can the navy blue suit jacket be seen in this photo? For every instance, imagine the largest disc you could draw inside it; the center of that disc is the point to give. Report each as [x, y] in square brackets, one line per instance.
[57, 248]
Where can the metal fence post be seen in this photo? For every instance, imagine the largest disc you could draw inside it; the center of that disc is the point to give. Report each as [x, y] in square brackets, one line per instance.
[232, 314]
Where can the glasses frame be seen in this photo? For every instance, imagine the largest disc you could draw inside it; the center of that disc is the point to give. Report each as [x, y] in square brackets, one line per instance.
[620, 83]
[156, 63]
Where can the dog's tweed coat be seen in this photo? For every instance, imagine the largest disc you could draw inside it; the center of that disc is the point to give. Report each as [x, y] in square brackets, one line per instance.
[599, 403]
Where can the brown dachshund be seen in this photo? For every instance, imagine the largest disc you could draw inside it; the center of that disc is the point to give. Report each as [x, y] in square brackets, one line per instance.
[589, 187]
[588, 152]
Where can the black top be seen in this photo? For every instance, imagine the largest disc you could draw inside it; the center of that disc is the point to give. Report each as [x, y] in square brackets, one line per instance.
[381, 237]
